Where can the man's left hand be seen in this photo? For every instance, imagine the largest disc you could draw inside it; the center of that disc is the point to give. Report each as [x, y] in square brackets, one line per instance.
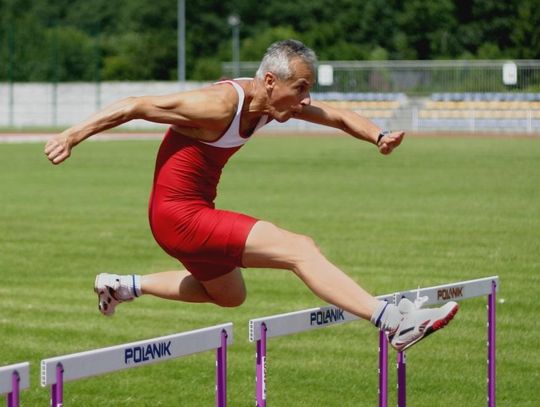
[390, 141]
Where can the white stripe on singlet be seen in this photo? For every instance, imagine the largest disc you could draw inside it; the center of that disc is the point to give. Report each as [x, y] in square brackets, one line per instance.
[232, 138]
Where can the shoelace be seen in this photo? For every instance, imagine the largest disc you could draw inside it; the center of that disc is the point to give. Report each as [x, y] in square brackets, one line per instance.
[420, 301]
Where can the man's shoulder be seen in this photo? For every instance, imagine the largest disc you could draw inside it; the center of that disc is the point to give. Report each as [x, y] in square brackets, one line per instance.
[223, 94]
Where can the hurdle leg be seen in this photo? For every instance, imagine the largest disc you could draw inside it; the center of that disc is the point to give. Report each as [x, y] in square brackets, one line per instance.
[13, 397]
[261, 368]
[491, 345]
[383, 370]
[221, 372]
[401, 379]
[57, 389]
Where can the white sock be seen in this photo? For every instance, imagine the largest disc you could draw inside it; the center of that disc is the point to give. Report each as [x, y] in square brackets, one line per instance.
[130, 286]
[386, 316]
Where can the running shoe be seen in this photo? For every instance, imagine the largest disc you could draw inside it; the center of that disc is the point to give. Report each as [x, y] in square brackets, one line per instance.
[417, 323]
[112, 290]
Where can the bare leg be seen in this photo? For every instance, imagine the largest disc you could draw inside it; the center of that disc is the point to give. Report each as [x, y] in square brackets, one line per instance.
[227, 291]
[174, 285]
[271, 247]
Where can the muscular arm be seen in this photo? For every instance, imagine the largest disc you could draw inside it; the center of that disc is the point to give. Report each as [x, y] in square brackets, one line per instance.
[209, 108]
[351, 123]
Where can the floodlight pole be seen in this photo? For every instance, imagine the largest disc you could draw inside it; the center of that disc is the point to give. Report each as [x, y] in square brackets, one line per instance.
[181, 41]
[234, 22]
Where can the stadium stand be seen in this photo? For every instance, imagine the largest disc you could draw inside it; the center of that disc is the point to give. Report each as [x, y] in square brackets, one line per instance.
[508, 111]
[381, 107]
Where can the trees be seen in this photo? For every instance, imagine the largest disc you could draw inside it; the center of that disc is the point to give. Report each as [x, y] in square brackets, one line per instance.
[526, 30]
[70, 40]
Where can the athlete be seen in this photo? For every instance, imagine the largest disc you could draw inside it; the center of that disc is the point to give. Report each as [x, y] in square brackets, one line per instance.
[207, 127]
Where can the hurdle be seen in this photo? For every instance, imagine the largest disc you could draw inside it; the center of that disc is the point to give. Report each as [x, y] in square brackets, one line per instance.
[14, 378]
[261, 329]
[58, 370]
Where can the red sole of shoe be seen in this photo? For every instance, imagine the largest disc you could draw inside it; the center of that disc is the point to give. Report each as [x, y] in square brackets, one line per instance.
[441, 323]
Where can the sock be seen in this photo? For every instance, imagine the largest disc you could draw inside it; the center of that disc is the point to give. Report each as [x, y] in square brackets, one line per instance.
[137, 285]
[386, 316]
[130, 287]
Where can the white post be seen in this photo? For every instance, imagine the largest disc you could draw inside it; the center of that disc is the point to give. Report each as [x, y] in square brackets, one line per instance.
[415, 118]
[234, 22]
[472, 122]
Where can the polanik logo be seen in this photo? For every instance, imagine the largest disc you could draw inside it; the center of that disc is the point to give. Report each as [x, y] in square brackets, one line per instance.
[139, 354]
[324, 317]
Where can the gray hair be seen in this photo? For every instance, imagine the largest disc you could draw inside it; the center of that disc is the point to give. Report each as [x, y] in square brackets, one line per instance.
[279, 55]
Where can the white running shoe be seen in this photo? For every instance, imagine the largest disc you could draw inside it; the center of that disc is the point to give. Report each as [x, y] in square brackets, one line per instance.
[417, 323]
[112, 290]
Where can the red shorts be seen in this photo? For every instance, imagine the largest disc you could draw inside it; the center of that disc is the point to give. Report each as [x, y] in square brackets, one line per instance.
[208, 242]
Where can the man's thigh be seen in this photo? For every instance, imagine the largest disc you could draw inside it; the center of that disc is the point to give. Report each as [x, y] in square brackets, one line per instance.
[269, 246]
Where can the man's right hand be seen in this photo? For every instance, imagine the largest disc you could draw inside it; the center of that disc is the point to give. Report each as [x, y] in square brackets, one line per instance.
[58, 149]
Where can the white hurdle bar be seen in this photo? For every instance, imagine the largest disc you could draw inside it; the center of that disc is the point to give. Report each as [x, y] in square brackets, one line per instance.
[14, 378]
[260, 329]
[58, 370]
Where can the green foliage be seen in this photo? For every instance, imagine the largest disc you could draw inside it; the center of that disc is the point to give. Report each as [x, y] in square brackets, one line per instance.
[206, 68]
[526, 31]
[428, 27]
[490, 50]
[70, 40]
[72, 53]
[253, 48]
[378, 54]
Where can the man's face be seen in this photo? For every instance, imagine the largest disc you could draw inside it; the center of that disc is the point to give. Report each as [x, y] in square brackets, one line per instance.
[286, 97]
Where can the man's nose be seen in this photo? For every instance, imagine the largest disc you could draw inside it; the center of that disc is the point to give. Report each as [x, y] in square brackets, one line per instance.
[306, 101]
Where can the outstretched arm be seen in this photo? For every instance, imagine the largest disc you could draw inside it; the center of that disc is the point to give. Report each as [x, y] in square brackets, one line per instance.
[208, 108]
[351, 123]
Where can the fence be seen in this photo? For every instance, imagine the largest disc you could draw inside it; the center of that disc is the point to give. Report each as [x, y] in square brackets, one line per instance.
[421, 77]
[39, 104]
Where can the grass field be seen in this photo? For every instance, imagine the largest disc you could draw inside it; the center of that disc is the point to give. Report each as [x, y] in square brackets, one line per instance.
[439, 210]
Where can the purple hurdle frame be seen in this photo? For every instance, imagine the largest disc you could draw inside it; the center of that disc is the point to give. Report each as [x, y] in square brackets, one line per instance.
[260, 329]
[491, 317]
[383, 370]
[13, 378]
[13, 397]
[221, 371]
[261, 368]
[56, 371]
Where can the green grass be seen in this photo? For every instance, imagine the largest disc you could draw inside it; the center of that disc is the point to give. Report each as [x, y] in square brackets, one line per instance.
[439, 210]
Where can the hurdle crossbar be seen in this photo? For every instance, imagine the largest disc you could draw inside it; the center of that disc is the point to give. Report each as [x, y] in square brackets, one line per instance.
[14, 378]
[57, 370]
[261, 329]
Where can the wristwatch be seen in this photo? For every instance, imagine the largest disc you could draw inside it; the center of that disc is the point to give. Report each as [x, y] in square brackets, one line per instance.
[381, 135]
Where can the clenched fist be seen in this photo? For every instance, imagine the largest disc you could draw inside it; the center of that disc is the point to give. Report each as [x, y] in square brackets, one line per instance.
[390, 141]
[58, 149]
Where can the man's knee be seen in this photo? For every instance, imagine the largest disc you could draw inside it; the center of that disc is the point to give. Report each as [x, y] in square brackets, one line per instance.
[303, 250]
[306, 246]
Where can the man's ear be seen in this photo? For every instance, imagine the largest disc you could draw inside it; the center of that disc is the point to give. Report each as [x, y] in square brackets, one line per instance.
[269, 81]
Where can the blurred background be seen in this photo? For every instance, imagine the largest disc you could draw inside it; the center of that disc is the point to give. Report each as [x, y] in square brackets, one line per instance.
[450, 65]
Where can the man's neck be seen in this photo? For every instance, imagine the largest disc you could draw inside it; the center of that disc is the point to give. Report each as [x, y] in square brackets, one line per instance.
[256, 98]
